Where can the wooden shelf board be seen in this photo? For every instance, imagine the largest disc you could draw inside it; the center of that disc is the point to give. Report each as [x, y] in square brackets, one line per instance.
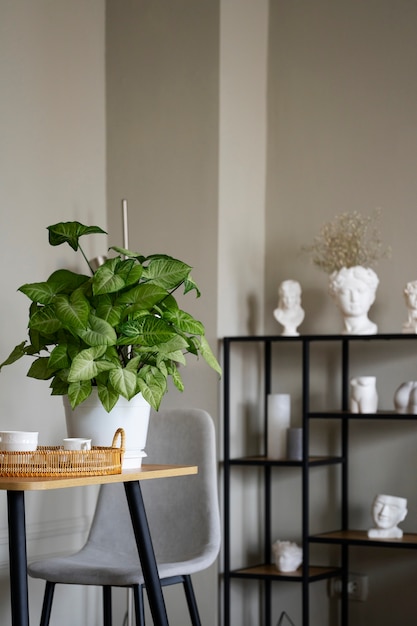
[270, 571]
[360, 537]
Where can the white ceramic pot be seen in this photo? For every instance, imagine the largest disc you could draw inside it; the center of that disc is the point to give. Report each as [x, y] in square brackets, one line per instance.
[354, 290]
[91, 421]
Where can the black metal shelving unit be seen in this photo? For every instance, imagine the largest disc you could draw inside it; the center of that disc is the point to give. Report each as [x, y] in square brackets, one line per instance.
[344, 537]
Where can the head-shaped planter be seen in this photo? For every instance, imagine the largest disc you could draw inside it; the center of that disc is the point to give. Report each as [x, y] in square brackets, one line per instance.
[387, 513]
[288, 556]
[354, 290]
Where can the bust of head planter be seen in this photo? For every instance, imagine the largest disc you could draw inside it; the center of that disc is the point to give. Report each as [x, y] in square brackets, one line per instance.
[387, 513]
[346, 249]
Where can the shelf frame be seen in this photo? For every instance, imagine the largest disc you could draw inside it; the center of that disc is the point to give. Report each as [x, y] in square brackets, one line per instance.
[343, 537]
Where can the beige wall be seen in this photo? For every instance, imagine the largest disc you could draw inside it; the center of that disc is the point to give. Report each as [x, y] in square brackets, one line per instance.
[52, 168]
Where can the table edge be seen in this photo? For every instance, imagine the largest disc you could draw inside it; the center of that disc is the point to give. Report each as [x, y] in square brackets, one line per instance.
[146, 472]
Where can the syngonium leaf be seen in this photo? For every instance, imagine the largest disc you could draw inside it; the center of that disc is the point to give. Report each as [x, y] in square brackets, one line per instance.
[45, 320]
[73, 311]
[98, 333]
[88, 363]
[61, 281]
[184, 321]
[70, 232]
[124, 382]
[146, 331]
[166, 272]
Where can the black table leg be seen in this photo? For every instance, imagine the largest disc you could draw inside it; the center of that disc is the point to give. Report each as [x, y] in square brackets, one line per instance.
[18, 558]
[146, 553]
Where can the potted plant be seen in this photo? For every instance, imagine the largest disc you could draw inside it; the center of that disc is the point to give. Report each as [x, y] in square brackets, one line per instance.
[118, 330]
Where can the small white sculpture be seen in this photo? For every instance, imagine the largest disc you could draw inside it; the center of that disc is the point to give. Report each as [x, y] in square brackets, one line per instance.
[289, 312]
[387, 513]
[410, 295]
[363, 394]
[405, 397]
[288, 556]
[354, 290]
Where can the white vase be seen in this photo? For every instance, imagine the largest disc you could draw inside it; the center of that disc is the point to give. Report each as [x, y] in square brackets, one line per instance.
[403, 402]
[363, 394]
[90, 420]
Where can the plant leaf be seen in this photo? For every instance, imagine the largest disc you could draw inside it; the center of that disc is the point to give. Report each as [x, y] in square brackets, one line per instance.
[70, 232]
[208, 356]
[87, 364]
[184, 321]
[38, 292]
[45, 320]
[177, 380]
[144, 296]
[16, 354]
[128, 253]
[107, 278]
[147, 331]
[78, 392]
[108, 311]
[73, 311]
[153, 385]
[39, 369]
[65, 281]
[108, 396]
[190, 285]
[166, 272]
[59, 358]
[98, 333]
[124, 382]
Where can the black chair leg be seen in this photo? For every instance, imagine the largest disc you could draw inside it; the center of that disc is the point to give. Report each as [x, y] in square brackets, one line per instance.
[107, 617]
[191, 601]
[139, 605]
[47, 603]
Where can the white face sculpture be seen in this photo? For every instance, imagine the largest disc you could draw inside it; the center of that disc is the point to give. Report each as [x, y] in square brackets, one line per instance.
[355, 297]
[388, 511]
[411, 295]
[289, 295]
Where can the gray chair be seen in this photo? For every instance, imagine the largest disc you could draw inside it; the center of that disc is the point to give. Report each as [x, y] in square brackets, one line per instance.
[183, 515]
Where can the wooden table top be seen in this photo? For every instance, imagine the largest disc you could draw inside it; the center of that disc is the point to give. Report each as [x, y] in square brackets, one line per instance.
[40, 483]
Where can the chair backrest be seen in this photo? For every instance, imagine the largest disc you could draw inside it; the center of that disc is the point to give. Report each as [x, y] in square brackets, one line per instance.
[183, 512]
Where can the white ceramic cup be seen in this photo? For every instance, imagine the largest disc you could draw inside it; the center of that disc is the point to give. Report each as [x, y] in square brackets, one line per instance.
[77, 443]
[18, 440]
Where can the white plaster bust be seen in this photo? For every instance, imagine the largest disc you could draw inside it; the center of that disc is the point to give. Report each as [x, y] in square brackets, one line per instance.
[288, 556]
[387, 513]
[353, 290]
[289, 312]
[410, 295]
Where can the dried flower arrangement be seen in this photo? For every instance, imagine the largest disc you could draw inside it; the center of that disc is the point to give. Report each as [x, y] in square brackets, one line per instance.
[350, 239]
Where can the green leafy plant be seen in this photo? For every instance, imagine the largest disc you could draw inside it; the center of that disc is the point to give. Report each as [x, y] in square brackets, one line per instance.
[350, 239]
[119, 328]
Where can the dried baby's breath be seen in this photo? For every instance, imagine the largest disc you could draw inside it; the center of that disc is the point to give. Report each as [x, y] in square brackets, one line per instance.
[350, 239]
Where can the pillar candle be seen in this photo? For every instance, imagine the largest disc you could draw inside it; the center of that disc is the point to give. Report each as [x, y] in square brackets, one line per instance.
[295, 444]
[279, 413]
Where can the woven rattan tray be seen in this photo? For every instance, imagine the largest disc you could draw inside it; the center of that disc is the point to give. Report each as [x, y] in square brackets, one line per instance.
[55, 461]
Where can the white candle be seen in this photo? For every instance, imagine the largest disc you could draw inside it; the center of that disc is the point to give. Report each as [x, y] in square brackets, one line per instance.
[279, 413]
[125, 225]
